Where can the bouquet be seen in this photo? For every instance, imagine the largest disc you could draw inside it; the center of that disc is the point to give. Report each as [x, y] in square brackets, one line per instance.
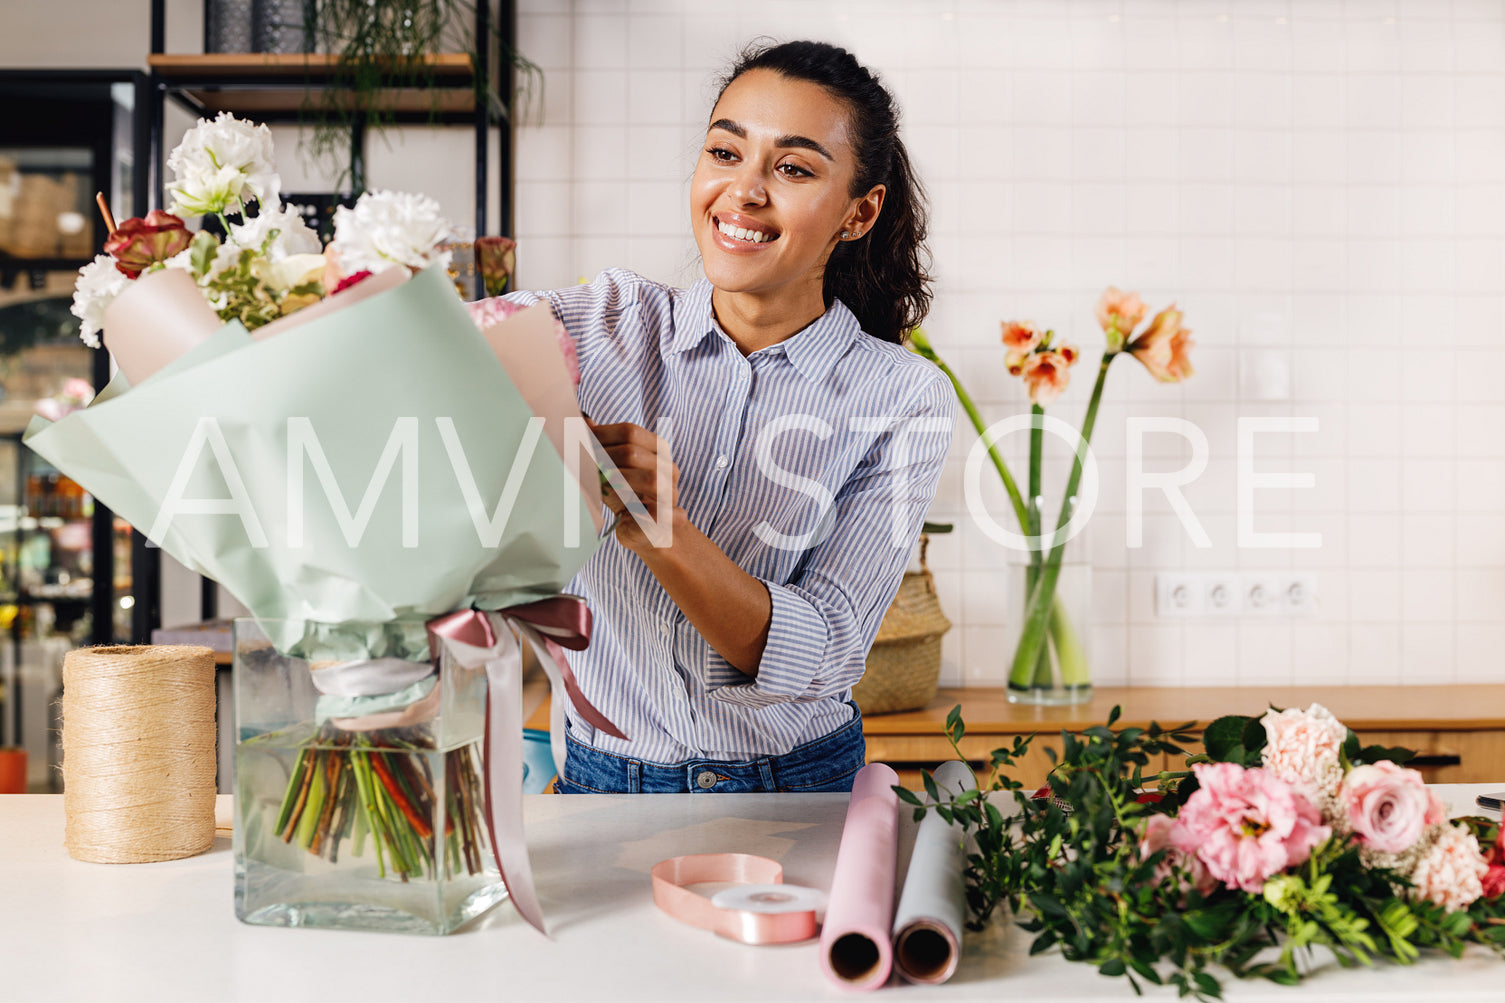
[1284, 834]
[1048, 647]
[251, 359]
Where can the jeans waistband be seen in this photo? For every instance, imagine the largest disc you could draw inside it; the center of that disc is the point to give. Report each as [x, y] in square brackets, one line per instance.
[815, 765]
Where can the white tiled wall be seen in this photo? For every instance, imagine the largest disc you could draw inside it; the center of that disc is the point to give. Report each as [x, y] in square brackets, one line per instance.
[1320, 184]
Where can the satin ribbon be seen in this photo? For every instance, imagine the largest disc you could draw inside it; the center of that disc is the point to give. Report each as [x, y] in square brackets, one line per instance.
[669, 894]
[492, 639]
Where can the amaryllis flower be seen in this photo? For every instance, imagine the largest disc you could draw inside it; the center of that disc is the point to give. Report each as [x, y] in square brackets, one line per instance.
[1246, 825]
[1450, 873]
[222, 165]
[1045, 375]
[138, 243]
[1163, 347]
[495, 310]
[99, 282]
[1119, 313]
[1303, 748]
[496, 258]
[1389, 807]
[387, 229]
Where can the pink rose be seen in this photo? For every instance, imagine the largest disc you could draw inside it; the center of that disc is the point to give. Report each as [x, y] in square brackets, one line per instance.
[1303, 748]
[1246, 824]
[1450, 873]
[1157, 837]
[1389, 807]
[495, 310]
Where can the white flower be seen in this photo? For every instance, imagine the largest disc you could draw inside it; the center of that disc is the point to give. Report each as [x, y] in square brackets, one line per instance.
[221, 164]
[292, 271]
[1302, 747]
[386, 229]
[294, 236]
[1450, 870]
[99, 282]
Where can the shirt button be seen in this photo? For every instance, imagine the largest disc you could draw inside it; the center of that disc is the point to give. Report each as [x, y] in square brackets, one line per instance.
[705, 780]
[722, 461]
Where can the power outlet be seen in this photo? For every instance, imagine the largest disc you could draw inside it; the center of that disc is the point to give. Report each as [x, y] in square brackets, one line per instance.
[1235, 593]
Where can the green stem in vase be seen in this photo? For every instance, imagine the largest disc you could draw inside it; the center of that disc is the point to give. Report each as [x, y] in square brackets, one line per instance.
[1042, 601]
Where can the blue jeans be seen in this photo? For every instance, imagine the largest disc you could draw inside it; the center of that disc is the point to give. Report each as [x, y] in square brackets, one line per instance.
[826, 764]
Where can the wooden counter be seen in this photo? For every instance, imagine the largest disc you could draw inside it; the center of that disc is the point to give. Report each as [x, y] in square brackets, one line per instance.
[1459, 731]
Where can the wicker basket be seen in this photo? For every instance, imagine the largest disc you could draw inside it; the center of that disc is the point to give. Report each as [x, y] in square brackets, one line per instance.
[905, 663]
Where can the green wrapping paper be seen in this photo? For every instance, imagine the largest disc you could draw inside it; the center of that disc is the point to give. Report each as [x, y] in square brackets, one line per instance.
[376, 385]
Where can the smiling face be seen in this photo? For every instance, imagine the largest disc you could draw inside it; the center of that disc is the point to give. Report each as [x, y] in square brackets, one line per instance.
[771, 192]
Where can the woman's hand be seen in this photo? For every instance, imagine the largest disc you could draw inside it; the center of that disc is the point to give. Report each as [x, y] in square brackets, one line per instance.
[648, 468]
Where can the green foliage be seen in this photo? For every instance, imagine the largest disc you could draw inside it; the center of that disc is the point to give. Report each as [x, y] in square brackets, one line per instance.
[1070, 869]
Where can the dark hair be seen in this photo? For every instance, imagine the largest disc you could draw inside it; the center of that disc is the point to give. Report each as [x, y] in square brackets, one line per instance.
[884, 277]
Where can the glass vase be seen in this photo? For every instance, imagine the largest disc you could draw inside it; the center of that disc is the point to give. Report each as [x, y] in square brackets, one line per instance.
[1060, 670]
[360, 802]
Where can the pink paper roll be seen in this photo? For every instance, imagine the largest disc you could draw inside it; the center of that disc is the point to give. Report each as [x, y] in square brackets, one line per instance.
[855, 949]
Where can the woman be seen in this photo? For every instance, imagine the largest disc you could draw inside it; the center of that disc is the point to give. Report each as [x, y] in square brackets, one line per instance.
[800, 443]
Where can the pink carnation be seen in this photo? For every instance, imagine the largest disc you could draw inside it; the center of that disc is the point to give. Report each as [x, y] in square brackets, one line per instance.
[1157, 837]
[491, 311]
[1389, 807]
[1246, 825]
[1303, 748]
[1450, 873]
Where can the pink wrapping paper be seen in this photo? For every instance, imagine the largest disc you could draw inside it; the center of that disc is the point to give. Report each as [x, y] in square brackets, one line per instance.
[855, 948]
[154, 320]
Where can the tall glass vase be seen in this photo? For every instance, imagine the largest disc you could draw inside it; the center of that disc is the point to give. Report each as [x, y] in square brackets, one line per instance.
[360, 802]
[1061, 673]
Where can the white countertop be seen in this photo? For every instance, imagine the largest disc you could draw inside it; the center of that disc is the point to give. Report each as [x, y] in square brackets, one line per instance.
[160, 933]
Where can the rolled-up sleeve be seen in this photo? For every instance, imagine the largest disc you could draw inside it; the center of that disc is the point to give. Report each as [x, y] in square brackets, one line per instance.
[824, 619]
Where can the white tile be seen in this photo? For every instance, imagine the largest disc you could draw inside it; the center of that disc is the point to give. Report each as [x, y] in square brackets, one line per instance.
[1427, 485]
[1480, 595]
[1318, 157]
[657, 152]
[661, 259]
[543, 208]
[1317, 100]
[986, 653]
[1427, 654]
[1477, 653]
[1428, 210]
[1155, 656]
[1427, 46]
[1375, 375]
[599, 152]
[1318, 210]
[986, 600]
[655, 208]
[546, 39]
[1040, 207]
[1370, 46]
[655, 42]
[1041, 98]
[1153, 156]
[1264, 654]
[545, 263]
[1479, 100]
[1110, 655]
[1320, 653]
[1151, 97]
[1373, 485]
[1476, 373]
[984, 97]
[1263, 263]
[1206, 154]
[1478, 154]
[594, 255]
[543, 154]
[1426, 102]
[1479, 51]
[1427, 595]
[1481, 211]
[1480, 265]
[1371, 319]
[600, 41]
[654, 97]
[1480, 540]
[1429, 540]
[600, 97]
[1374, 653]
[1205, 208]
[1374, 266]
[932, 97]
[1263, 210]
[1371, 156]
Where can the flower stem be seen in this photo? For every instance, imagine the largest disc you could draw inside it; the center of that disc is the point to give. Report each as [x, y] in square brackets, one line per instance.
[1042, 598]
[1020, 511]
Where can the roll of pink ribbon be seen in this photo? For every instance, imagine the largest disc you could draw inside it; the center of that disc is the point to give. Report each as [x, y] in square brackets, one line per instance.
[855, 943]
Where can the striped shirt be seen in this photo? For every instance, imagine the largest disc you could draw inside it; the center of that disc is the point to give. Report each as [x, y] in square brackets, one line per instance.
[799, 462]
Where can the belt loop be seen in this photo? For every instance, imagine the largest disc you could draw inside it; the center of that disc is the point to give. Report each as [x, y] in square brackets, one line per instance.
[765, 770]
[634, 777]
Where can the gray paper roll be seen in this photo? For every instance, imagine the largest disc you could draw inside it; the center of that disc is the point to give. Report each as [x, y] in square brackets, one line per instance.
[933, 906]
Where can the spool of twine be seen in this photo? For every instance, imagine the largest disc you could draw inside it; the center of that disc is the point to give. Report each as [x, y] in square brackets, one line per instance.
[138, 753]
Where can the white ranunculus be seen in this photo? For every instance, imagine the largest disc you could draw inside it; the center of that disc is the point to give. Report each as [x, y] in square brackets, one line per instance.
[99, 282]
[223, 164]
[294, 236]
[388, 228]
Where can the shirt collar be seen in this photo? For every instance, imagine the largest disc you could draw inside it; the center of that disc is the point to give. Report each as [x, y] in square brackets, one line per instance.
[813, 351]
